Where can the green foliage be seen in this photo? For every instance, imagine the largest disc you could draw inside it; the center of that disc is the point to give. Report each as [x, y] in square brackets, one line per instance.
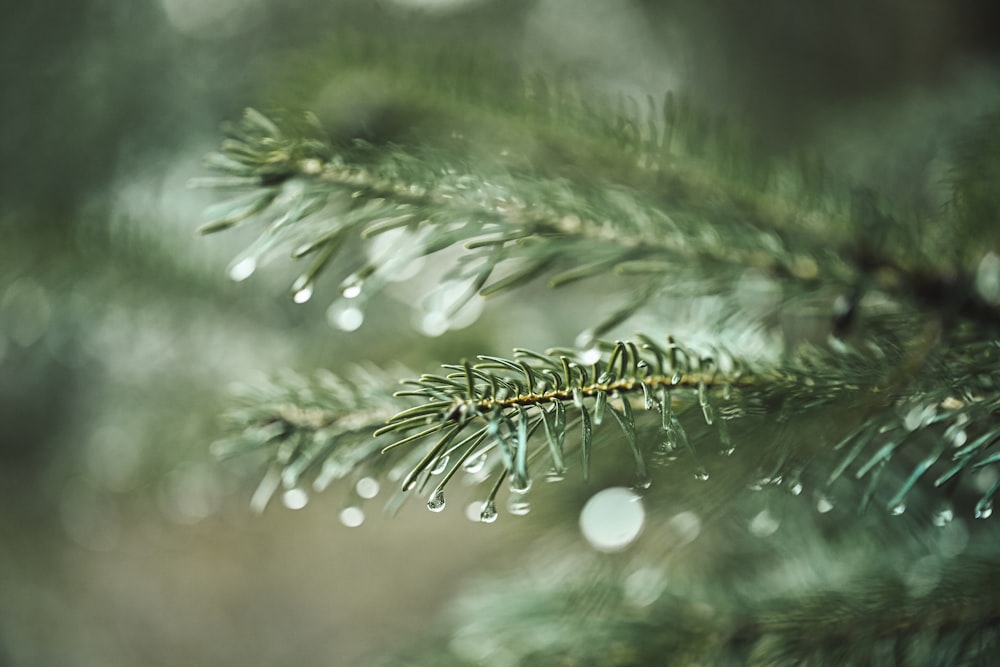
[902, 361]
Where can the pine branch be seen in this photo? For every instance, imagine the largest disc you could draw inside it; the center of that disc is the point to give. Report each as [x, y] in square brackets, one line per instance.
[317, 429]
[943, 613]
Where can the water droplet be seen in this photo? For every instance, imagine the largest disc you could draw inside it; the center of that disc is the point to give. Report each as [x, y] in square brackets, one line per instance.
[943, 516]
[367, 487]
[823, 504]
[701, 474]
[440, 465]
[644, 586]
[488, 513]
[345, 317]
[242, 269]
[984, 508]
[898, 509]
[590, 353]
[518, 507]
[436, 502]
[642, 483]
[795, 489]
[554, 476]
[612, 519]
[433, 324]
[764, 524]
[520, 486]
[685, 526]
[295, 499]
[303, 294]
[727, 451]
[351, 287]
[352, 517]
[988, 278]
[475, 463]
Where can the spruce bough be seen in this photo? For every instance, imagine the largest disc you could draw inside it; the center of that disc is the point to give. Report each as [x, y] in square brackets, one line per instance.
[904, 372]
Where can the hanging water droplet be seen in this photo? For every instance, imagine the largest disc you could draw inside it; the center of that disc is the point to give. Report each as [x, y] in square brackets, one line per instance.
[898, 509]
[764, 524]
[352, 517]
[943, 516]
[518, 507]
[433, 324]
[303, 294]
[590, 353]
[367, 487]
[520, 485]
[440, 464]
[642, 483]
[295, 499]
[352, 286]
[600, 404]
[344, 316]
[988, 278]
[436, 502]
[554, 476]
[488, 513]
[984, 508]
[701, 474]
[612, 519]
[242, 269]
[795, 489]
[475, 463]
[823, 504]
[707, 409]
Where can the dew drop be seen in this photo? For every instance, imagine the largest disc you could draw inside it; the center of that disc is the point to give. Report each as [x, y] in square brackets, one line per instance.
[434, 324]
[823, 504]
[701, 475]
[345, 317]
[518, 507]
[685, 527]
[440, 465]
[943, 516]
[795, 489]
[764, 524]
[436, 502]
[644, 586]
[591, 355]
[488, 513]
[521, 485]
[988, 278]
[243, 269]
[554, 475]
[367, 487]
[612, 519]
[295, 499]
[352, 517]
[984, 508]
[475, 464]
[351, 287]
[642, 483]
[303, 294]
[898, 509]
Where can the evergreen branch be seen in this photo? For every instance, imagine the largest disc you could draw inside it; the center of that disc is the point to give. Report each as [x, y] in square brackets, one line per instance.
[317, 429]
[949, 616]
[514, 227]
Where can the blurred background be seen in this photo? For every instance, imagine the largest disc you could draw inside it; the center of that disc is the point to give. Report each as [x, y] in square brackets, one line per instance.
[122, 542]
